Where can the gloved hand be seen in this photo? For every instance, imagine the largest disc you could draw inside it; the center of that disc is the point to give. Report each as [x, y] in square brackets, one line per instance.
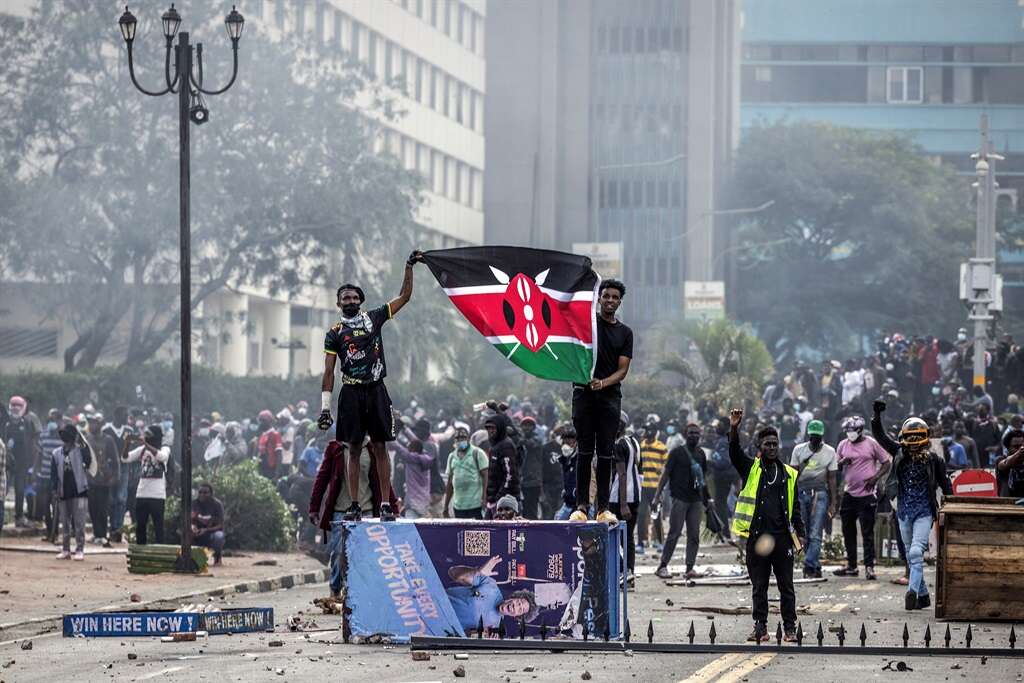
[879, 406]
[325, 420]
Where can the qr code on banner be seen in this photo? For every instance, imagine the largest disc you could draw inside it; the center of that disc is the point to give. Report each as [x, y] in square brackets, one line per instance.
[476, 543]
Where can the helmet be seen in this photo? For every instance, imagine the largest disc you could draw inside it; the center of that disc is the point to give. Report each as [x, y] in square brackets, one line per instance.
[854, 423]
[914, 433]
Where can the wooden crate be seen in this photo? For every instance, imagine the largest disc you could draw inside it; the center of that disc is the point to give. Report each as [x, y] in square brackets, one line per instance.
[980, 569]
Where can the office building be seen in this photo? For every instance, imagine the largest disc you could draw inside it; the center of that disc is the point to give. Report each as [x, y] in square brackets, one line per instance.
[430, 52]
[612, 123]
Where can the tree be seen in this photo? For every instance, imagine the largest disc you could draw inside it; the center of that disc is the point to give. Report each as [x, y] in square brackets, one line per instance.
[865, 234]
[717, 359]
[284, 177]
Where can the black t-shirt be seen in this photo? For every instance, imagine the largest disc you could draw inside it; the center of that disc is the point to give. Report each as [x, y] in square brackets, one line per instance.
[613, 341]
[773, 501]
[207, 513]
[357, 344]
[679, 470]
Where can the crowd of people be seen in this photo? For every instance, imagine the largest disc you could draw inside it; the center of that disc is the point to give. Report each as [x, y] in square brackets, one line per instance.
[837, 428]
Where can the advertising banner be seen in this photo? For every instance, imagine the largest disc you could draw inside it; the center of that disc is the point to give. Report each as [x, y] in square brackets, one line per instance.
[143, 623]
[449, 577]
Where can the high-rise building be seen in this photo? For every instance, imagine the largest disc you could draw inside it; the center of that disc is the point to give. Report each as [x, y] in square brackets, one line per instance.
[926, 68]
[613, 122]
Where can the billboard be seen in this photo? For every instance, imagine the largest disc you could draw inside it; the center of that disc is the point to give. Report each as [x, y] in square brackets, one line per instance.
[449, 577]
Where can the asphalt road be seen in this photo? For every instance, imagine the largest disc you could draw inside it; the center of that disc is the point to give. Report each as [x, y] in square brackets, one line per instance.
[320, 652]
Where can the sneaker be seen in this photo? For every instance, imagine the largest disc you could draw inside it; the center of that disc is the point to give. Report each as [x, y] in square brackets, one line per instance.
[808, 573]
[607, 517]
[924, 601]
[846, 571]
[690, 574]
[789, 636]
[759, 634]
[107, 544]
[578, 516]
[663, 573]
[354, 513]
[910, 601]
[869, 574]
[386, 513]
[641, 549]
[64, 555]
[817, 574]
[79, 555]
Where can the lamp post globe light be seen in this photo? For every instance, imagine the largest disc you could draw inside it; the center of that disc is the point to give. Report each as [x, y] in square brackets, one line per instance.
[187, 83]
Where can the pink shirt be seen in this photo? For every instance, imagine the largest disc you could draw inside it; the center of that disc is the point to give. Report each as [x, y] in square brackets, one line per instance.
[860, 461]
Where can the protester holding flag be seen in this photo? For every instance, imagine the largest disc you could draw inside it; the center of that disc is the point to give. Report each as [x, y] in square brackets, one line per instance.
[364, 407]
[597, 404]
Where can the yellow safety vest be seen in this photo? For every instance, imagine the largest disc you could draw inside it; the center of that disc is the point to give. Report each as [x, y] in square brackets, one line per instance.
[744, 513]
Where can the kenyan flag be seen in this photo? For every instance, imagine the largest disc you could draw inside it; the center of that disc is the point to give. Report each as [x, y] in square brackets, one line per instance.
[536, 307]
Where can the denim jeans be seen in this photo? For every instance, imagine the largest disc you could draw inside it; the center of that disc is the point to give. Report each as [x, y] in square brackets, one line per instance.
[915, 537]
[563, 512]
[334, 548]
[814, 510]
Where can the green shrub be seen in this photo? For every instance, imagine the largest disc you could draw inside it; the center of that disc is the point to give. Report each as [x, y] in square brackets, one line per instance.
[255, 516]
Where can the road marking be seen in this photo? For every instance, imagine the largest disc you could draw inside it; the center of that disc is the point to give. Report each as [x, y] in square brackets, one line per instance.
[856, 588]
[713, 668]
[161, 672]
[744, 668]
[838, 607]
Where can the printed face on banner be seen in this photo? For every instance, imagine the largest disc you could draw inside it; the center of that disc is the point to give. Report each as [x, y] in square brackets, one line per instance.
[436, 578]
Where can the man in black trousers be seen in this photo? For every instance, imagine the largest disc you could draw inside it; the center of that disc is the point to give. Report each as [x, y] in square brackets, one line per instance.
[596, 406]
[768, 516]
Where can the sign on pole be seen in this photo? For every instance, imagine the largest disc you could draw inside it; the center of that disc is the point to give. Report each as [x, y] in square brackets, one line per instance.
[703, 299]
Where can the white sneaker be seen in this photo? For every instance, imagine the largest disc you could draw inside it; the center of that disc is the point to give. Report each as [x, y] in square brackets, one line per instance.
[79, 555]
[64, 555]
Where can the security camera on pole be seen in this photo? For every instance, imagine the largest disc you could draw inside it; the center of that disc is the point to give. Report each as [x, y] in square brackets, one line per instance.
[980, 287]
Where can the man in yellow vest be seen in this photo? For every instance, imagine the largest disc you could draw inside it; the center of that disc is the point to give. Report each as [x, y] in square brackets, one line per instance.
[767, 516]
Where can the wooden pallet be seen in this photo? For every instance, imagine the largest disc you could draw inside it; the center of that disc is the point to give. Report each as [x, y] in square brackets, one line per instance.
[980, 569]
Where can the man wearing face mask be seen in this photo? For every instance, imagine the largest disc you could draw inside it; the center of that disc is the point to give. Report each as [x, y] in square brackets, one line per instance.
[684, 474]
[466, 475]
[817, 464]
[22, 440]
[567, 460]
[532, 467]
[864, 463]
[70, 483]
[364, 407]
[769, 518]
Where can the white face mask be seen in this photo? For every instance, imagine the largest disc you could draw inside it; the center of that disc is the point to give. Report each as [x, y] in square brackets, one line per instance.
[961, 337]
[852, 436]
[567, 449]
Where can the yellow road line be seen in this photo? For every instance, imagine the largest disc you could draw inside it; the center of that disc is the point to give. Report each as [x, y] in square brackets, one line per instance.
[744, 668]
[858, 587]
[713, 668]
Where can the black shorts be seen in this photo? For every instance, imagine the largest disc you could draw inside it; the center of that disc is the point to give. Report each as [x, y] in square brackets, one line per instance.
[365, 409]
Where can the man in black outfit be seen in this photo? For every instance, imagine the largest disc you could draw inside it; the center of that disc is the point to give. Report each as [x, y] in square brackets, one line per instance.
[596, 406]
[364, 406]
[768, 515]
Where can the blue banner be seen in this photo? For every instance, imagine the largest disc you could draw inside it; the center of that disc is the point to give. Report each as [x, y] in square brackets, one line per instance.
[127, 624]
[393, 587]
[122, 624]
[243, 620]
[449, 577]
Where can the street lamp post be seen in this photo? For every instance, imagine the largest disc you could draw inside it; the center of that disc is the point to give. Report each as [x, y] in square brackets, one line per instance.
[188, 86]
